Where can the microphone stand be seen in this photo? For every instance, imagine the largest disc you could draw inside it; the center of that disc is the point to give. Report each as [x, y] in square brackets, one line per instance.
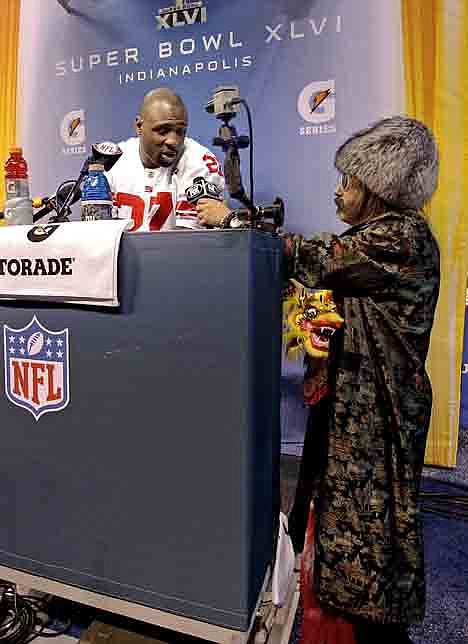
[64, 210]
[231, 143]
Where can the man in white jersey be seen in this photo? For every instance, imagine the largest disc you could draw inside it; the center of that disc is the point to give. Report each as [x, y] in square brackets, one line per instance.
[157, 166]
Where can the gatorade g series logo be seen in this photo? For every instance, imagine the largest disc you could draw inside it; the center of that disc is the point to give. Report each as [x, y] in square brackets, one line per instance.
[316, 106]
[36, 368]
[73, 132]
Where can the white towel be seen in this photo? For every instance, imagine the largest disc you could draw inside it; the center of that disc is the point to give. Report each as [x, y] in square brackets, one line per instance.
[283, 569]
[69, 262]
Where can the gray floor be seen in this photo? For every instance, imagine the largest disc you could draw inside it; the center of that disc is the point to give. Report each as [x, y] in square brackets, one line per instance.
[446, 546]
[60, 639]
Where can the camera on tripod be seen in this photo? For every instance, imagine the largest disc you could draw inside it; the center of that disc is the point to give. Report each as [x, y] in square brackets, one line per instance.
[224, 105]
[225, 102]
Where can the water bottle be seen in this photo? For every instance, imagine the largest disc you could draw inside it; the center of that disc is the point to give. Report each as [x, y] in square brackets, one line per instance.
[96, 196]
[18, 205]
[18, 211]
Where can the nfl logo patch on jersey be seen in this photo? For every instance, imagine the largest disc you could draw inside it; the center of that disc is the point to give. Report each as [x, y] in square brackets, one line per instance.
[36, 368]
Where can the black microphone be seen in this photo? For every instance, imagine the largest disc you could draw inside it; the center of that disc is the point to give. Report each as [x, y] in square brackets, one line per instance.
[106, 153]
[202, 189]
[56, 201]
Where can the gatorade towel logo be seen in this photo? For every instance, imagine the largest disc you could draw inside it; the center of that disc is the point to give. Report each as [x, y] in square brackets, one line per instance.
[40, 233]
[36, 368]
[72, 129]
[316, 102]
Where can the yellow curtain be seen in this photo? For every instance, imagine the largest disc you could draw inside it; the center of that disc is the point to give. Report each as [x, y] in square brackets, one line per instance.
[435, 38]
[9, 37]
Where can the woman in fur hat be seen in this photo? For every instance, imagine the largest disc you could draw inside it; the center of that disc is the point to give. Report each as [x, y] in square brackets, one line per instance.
[370, 432]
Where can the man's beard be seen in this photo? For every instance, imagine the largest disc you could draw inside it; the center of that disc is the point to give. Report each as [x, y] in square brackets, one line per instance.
[339, 207]
[339, 203]
[348, 215]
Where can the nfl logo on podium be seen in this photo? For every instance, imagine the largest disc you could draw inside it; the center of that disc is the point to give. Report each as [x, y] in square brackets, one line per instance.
[36, 368]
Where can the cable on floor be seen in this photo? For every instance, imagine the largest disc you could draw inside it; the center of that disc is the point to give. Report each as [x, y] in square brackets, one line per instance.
[24, 617]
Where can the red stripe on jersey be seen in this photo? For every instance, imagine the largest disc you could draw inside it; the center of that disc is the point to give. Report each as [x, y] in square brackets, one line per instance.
[185, 209]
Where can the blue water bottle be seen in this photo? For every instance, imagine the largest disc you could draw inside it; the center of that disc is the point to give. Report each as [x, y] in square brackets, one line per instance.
[96, 196]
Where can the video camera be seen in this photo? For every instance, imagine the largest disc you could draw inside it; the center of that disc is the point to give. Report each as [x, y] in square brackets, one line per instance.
[224, 106]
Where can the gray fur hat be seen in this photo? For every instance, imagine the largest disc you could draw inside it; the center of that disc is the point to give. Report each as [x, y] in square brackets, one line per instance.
[396, 158]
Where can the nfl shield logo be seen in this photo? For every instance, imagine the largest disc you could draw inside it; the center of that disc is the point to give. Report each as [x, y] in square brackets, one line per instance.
[36, 368]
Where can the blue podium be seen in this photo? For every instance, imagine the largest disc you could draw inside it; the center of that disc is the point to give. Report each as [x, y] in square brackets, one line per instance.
[158, 482]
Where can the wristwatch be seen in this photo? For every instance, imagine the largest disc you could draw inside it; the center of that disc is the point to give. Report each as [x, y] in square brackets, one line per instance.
[231, 220]
[226, 220]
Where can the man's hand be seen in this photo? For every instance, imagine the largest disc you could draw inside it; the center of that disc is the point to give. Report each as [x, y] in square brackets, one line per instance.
[211, 212]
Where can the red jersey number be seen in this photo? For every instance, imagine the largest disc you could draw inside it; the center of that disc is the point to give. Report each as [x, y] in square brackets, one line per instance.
[163, 201]
[212, 164]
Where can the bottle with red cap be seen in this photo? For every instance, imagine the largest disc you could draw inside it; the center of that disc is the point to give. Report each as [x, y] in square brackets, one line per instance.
[16, 174]
[18, 206]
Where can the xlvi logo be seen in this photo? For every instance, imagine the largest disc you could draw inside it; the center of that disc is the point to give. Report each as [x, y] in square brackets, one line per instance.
[183, 13]
[36, 368]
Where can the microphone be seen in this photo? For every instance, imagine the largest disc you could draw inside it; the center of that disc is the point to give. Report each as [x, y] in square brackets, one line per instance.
[38, 202]
[106, 153]
[54, 202]
[202, 189]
